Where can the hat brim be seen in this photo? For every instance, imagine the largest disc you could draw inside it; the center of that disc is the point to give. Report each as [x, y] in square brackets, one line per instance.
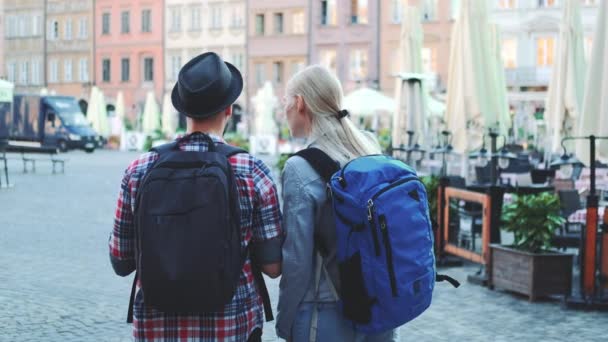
[232, 93]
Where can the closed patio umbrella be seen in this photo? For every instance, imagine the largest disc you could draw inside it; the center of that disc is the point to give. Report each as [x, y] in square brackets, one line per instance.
[151, 116]
[567, 85]
[170, 118]
[594, 116]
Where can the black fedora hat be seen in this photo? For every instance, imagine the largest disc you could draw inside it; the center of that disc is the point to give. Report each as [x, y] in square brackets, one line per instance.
[206, 85]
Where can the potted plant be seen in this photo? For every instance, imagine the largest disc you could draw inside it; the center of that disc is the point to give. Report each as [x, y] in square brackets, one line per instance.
[529, 266]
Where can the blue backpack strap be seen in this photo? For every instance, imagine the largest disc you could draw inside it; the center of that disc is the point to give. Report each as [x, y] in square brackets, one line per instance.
[320, 162]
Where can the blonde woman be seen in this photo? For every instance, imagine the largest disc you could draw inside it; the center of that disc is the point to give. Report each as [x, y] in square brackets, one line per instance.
[308, 308]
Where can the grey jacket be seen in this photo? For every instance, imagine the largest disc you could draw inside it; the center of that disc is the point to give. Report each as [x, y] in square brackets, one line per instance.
[306, 210]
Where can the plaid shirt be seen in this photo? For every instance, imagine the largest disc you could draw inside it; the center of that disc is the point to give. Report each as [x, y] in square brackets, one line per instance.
[260, 222]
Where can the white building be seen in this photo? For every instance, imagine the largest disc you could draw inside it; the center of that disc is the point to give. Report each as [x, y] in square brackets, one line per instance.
[530, 31]
[193, 27]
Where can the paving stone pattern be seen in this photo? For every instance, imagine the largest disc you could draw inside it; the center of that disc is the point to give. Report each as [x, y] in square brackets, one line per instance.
[56, 282]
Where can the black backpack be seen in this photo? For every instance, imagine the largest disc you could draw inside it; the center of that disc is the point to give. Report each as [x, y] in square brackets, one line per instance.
[188, 232]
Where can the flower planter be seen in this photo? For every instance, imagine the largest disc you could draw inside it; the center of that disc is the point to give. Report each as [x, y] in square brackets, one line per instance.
[531, 274]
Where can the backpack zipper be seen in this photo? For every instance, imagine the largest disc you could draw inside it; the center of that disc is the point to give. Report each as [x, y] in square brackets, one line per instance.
[389, 254]
[393, 185]
[370, 218]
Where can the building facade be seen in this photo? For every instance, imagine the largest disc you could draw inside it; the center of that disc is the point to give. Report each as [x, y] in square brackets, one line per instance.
[129, 51]
[530, 33]
[2, 74]
[278, 43]
[69, 47]
[437, 21]
[346, 38]
[24, 47]
[194, 27]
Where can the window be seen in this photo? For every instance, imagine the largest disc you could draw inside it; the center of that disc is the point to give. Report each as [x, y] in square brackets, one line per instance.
[176, 19]
[327, 59]
[237, 17]
[105, 70]
[237, 60]
[195, 18]
[547, 3]
[259, 24]
[125, 70]
[396, 11]
[358, 10]
[545, 51]
[277, 72]
[429, 60]
[83, 70]
[124, 22]
[25, 66]
[259, 74]
[146, 20]
[53, 71]
[11, 28]
[148, 69]
[105, 23]
[176, 64]
[589, 2]
[67, 35]
[298, 22]
[296, 67]
[83, 29]
[278, 23]
[216, 17]
[67, 70]
[12, 71]
[507, 4]
[36, 71]
[429, 10]
[21, 25]
[358, 64]
[509, 53]
[329, 13]
[54, 30]
[36, 20]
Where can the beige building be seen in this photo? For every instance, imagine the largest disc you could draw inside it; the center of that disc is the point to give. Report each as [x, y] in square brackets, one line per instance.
[24, 44]
[193, 27]
[70, 47]
[278, 42]
[437, 17]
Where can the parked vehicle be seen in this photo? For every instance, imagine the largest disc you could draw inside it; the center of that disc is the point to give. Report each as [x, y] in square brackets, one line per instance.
[51, 121]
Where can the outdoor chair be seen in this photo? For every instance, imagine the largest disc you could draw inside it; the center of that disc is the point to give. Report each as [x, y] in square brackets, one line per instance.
[542, 176]
[570, 234]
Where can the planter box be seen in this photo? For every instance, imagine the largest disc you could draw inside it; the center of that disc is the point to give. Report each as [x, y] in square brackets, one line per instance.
[534, 275]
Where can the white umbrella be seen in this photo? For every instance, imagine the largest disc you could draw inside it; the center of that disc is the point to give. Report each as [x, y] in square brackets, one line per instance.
[97, 113]
[567, 85]
[265, 103]
[593, 119]
[411, 109]
[366, 102]
[500, 85]
[120, 106]
[472, 105]
[151, 116]
[170, 118]
[6, 91]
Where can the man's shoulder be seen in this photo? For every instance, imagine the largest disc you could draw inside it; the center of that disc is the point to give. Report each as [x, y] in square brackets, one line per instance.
[142, 164]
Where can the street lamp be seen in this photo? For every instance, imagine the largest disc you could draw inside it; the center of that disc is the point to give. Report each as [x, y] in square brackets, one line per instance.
[446, 150]
[590, 267]
[499, 159]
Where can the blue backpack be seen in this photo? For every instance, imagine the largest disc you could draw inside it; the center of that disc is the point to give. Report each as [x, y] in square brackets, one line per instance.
[385, 239]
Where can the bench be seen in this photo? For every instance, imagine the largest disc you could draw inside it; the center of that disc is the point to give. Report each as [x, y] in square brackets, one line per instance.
[3, 145]
[30, 160]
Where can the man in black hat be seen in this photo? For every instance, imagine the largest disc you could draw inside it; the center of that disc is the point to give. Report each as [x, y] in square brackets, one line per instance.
[205, 91]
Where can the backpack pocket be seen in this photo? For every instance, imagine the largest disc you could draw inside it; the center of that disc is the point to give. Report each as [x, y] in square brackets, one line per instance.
[356, 303]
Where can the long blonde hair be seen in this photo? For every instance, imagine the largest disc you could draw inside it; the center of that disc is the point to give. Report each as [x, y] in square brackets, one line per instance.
[322, 95]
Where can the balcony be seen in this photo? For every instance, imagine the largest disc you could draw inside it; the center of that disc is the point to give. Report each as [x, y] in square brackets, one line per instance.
[528, 77]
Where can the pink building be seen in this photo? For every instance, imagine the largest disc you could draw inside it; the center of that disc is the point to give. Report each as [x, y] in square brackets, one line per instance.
[345, 36]
[129, 51]
[277, 43]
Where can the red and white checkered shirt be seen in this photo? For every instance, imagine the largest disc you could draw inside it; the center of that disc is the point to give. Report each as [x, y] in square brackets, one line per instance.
[260, 222]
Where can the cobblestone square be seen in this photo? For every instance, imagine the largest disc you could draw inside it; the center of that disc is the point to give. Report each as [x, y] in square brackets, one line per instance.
[56, 282]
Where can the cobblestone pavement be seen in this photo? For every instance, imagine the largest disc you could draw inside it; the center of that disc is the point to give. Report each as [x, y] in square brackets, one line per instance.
[56, 282]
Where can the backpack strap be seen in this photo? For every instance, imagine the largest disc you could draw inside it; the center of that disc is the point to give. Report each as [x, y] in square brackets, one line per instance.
[164, 148]
[320, 162]
[228, 150]
[443, 277]
[132, 300]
